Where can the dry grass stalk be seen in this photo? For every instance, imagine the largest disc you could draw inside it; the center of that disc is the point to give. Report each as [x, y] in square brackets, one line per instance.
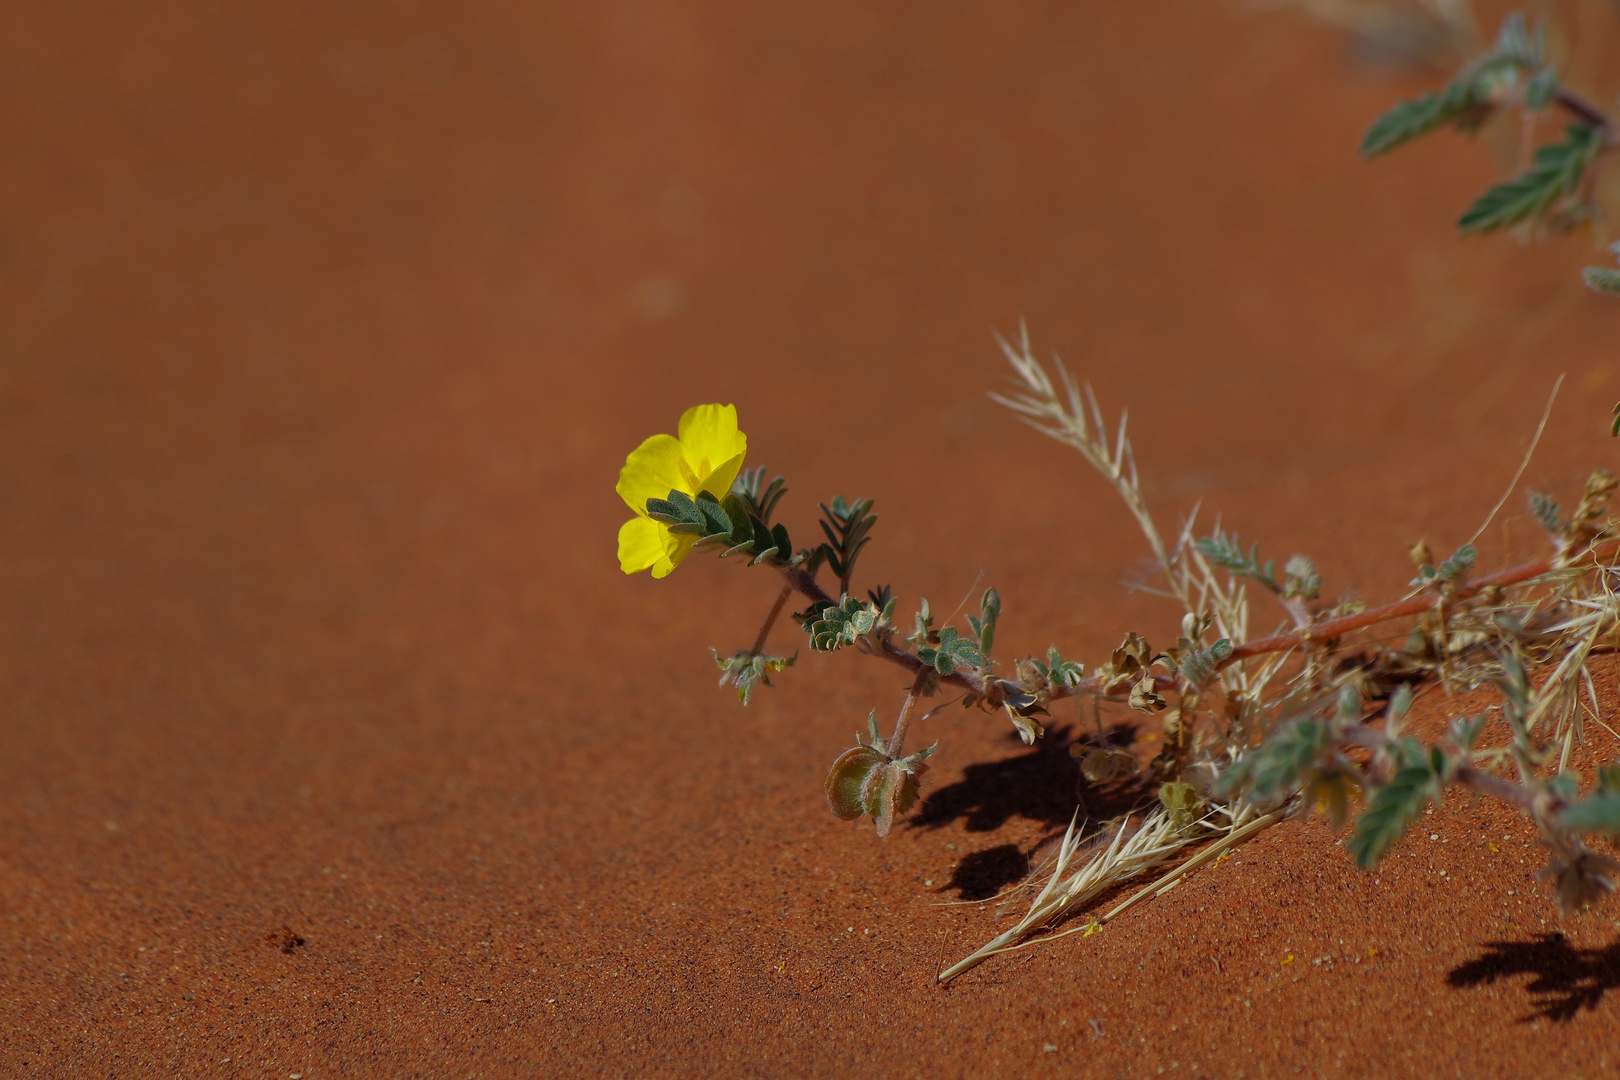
[1554, 613]
[1128, 854]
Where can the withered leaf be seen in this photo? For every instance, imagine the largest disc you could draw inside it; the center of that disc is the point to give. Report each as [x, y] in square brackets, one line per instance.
[1582, 881]
[1145, 697]
[1133, 655]
[1106, 764]
[1182, 802]
[1029, 729]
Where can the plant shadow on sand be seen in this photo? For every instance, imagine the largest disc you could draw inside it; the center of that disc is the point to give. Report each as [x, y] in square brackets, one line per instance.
[1042, 784]
[983, 874]
[1565, 979]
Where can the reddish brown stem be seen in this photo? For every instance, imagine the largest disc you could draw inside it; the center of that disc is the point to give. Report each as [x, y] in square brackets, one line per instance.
[805, 583]
[897, 741]
[1582, 108]
[1414, 605]
[1486, 784]
[770, 621]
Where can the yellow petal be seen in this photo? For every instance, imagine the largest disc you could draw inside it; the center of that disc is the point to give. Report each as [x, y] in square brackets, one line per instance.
[676, 547]
[709, 440]
[641, 546]
[652, 471]
[719, 482]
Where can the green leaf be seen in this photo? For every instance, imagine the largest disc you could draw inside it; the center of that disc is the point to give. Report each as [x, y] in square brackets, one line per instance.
[1282, 760]
[1058, 671]
[846, 526]
[924, 624]
[1460, 103]
[747, 671]
[1542, 89]
[1514, 43]
[1514, 686]
[964, 650]
[1393, 807]
[729, 524]
[1602, 280]
[1198, 665]
[1597, 813]
[984, 627]
[1465, 732]
[1471, 97]
[715, 519]
[1553, 175]
[678, 511]
[1400, 702]
[1456, 568]
[1226, 552]
[952, 650]
[759, 498]
[832, 626]
[1545, 511]
[1452, 570]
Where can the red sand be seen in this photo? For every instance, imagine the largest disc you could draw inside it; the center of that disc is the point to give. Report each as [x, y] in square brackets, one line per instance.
[323, 332]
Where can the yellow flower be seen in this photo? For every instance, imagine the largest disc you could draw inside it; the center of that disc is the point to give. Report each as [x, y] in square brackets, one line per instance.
[706, 457]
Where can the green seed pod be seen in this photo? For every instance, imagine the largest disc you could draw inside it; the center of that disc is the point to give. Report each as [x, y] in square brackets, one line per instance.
[848, 779]
[892, 790]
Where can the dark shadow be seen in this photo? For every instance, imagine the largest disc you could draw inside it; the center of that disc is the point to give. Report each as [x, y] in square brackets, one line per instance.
[1042, 784]
[1564, 980]
[983, 874]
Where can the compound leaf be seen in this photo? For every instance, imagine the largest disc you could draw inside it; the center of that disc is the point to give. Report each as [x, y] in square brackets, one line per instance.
[1393, 807]
[1459, 103]
[1600, 812]
[1554, 174]
[1602, 279]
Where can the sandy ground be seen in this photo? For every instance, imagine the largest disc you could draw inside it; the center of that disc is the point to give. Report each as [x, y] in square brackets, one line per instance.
[324, 330]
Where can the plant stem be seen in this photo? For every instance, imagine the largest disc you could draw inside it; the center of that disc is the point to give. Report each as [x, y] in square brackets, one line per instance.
[1582, 108]
[805, 584]
[897, 741]
[1497, 788]
[1414, 605]
[770, 621]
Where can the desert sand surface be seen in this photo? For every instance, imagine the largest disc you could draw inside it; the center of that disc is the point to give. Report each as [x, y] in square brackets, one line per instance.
[324, 330]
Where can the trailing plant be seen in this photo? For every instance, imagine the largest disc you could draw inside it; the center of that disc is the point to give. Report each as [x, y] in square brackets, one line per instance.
[1253, 728]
